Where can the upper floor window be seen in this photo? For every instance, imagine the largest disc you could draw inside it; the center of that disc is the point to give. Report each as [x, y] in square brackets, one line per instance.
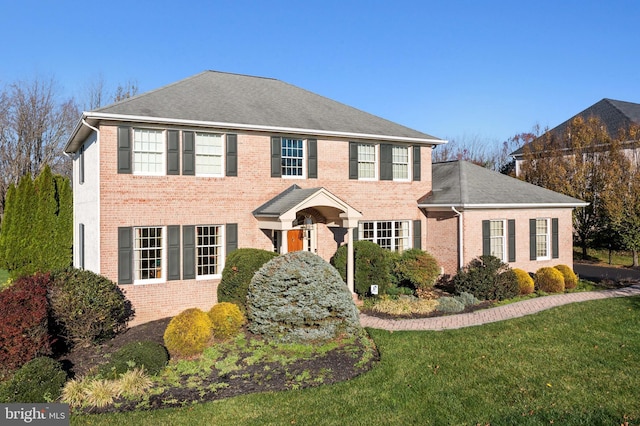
[148, 151]
[497, 237]
[148, 253]
[209, 250]
[391, 235]
[209, 154]
[542, 239]
[367, 164]
[292, 157]
[400, 162]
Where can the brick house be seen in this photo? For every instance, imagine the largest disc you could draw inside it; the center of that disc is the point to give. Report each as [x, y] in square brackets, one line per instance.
[167, 183]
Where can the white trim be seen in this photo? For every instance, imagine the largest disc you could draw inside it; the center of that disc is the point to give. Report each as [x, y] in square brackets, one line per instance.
[252, 127]
[502, 206]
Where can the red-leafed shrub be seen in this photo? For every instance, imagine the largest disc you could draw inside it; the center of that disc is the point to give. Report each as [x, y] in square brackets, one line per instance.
[24, 322]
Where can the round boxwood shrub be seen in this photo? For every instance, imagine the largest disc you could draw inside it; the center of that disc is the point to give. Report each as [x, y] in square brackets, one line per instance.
[417, 269]
[373, 266]
[487, 278]
[226, 320]
[39, 380]
[570, 278]
[549, 280]
[238, 270]
[24, 322]
[188, 333]
[151, 356]
[89, 308]
[525, 282]
[298, 297]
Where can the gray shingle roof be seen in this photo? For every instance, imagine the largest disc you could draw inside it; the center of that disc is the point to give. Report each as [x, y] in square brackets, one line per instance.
[615, 115]
[284, 201]
[219, 97]
[464, 184]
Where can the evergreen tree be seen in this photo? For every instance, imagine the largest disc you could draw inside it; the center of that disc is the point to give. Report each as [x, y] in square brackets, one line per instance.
[6, 228]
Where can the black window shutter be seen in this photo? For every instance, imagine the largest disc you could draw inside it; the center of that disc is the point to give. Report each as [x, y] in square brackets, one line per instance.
[276, 157]
[386, 162]
[188, 252]
[486, 237]
[125, 255]
[81, 244]
[353, 160]
[416, 163]
[312, 158]
[188, 154]
[417, 234]
[81, 165]
[555, 250]
[124, 150]
[532, 240]
[232, 155]
[173, 153]
[231, 237]
[173, 252]
[511, 235]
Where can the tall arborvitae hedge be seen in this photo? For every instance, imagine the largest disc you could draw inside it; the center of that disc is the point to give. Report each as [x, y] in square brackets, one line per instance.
[37, 229]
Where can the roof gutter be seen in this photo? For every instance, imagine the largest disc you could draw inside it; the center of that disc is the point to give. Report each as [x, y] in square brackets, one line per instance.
[506, 206]
[242, 126]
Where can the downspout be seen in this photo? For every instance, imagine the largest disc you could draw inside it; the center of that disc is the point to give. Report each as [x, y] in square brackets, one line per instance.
[460, 238]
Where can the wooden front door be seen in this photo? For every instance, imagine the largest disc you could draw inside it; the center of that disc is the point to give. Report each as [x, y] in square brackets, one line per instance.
[294, 240]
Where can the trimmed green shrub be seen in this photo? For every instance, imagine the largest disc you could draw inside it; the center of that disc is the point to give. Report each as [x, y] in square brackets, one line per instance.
[24, 322]
[487, 278]
[450, 305]
[89, 307]
[298, 297]
[525, 282]
[467, 299]
[238, 270]
[417, 269]
[39, 380]
[549, 280]
[188, 333]
[373, 266]
[226, 320]
[570, 278]
[151, 356]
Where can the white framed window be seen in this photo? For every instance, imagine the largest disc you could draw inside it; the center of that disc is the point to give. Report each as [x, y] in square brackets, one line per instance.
[209, 154]
[497, 235]
[292, 158]
[148, 152]
[400, 162]
[367, 161]
[148, 255]
[209, 250]
[390, 235]
[543, 239]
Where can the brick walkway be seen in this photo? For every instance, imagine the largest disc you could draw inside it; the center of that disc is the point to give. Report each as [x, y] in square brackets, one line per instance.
[512, 310]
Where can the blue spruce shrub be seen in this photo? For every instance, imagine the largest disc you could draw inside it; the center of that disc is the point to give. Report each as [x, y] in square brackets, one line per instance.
[450, 305]
[299, 297]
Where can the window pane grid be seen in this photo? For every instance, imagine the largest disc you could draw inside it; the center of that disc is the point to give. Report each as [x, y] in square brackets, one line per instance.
[390, 235]
[400, 162]
[148, 253]
[292, 157]
[209, 249]
[209, 154]
[366, 161]
[542, 238]
[497, 238]
[148, 150]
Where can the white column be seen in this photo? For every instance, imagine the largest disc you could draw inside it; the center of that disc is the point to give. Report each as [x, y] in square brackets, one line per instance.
[284, 242]
[350, 260]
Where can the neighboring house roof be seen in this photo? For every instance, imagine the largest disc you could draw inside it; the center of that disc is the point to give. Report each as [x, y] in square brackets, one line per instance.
[466, 185]
[241, 102]
[615, 115]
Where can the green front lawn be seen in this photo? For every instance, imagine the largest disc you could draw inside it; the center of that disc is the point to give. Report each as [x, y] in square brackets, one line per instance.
[618, 258]
[576, 364]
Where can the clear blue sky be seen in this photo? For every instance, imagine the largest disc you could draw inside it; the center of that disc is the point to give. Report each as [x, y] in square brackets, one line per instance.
[453, 69]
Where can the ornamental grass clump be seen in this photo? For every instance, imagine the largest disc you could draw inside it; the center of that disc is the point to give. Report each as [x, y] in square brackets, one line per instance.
[570, 278]
[549, 280]
[226, 320]
[298, 297]
[525, 282]
[188, 333]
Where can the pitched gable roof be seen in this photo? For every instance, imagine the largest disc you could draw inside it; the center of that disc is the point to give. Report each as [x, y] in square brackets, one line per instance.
[615, 115]
[238, 102]
[466, 185]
